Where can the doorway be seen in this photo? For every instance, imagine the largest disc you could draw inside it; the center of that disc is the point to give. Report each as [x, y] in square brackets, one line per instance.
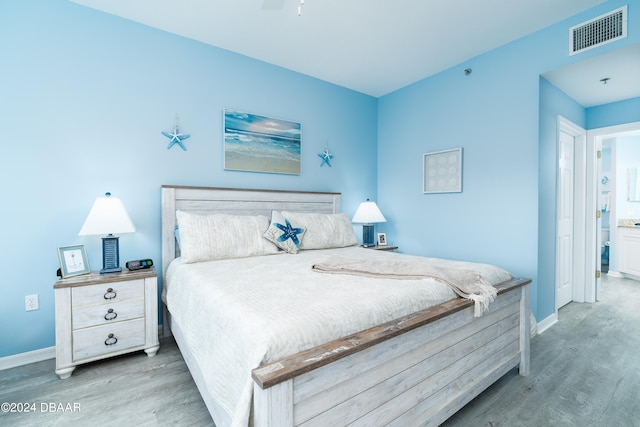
[578, 247]
[615, 187]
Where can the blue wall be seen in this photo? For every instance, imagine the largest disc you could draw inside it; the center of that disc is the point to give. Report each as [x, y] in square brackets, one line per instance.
[616, 113]
[503, 214]
[83, 98]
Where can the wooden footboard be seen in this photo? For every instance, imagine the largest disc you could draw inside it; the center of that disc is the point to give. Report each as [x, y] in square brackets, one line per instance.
[417, 370]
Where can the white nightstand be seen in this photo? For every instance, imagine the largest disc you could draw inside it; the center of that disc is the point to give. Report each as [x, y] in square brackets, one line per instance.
[104, 315]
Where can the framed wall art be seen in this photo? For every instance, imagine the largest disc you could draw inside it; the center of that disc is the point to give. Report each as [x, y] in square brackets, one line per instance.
[73, 260]
[261, 144]
[442, 171]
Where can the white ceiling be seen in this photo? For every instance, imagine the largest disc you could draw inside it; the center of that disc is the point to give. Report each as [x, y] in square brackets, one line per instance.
[582, 80]
[371, 46]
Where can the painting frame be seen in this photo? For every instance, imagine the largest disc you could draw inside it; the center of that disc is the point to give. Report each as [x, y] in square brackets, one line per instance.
[442, 171]
[257, 143]
[73, 260]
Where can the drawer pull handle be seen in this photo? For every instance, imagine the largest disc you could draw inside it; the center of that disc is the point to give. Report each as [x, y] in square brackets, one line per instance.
[111, 340]
[111, 294]
[110, 314]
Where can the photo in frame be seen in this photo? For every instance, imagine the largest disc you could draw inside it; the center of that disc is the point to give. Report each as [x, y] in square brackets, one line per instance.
[382, 239]
[442, 171]
[256, 143]
[73, 260]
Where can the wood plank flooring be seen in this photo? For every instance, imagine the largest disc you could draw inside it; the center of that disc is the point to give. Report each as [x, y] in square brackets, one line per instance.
[585, 371]
[130, 390]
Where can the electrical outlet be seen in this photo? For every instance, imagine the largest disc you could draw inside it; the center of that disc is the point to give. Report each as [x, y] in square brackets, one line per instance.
[31, 302]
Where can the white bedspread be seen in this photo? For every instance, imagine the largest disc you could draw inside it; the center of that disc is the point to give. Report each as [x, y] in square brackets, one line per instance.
[236, 314]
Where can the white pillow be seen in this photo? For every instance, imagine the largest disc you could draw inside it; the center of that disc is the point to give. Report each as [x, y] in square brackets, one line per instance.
[284, 234]
[324, 231]
[220, 236]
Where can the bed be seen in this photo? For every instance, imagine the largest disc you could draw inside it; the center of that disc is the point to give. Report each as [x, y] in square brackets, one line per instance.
[346, 357]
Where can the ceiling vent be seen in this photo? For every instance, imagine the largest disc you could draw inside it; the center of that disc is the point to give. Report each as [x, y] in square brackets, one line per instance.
[598, 31]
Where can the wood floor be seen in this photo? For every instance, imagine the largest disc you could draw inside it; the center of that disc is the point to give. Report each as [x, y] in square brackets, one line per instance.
[585, 371]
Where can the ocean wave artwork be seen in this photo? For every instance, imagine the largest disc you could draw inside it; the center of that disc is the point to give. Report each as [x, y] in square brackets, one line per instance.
[261, 144]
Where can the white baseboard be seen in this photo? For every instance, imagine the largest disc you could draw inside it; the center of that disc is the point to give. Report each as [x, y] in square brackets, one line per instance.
[548, 322]
[16, 360]
[34, 356]
[623, 275]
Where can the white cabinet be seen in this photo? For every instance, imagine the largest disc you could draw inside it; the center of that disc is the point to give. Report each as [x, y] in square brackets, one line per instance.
[103, 315]
[629, 250]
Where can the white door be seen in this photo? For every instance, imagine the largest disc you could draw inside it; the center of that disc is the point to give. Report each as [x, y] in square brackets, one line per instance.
[564, 267]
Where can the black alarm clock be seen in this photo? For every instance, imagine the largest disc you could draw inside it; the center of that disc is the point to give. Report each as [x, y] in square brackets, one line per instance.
[139, 264]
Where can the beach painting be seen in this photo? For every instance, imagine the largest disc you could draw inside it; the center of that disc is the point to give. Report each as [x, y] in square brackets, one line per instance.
[260, 144]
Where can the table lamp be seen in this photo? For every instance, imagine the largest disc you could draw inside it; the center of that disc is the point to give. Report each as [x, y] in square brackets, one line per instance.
[368, 214]
[108, 216]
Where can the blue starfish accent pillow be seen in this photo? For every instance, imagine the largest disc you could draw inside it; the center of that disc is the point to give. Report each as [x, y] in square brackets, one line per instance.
[284, 235]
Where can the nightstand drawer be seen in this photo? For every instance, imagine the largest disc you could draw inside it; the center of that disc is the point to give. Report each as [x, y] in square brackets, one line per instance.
[107, 293]
[108, 313]
[99, 340]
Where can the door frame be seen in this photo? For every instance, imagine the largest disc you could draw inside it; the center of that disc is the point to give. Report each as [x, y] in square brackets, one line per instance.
[594, 140]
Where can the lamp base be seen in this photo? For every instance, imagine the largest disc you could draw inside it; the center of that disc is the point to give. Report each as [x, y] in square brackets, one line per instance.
[367, 236]
[110, 255]
[111, 270]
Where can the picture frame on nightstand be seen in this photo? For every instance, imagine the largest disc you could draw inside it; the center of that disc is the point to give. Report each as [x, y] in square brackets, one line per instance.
[73, 260]
[382, 239]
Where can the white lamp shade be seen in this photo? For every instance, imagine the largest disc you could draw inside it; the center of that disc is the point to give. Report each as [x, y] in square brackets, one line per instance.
[107, 216]
[368, 213]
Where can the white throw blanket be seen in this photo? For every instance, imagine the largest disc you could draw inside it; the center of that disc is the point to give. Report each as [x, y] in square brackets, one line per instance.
[467, 284]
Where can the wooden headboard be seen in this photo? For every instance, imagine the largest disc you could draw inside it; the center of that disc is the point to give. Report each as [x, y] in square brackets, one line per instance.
[235, 201]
